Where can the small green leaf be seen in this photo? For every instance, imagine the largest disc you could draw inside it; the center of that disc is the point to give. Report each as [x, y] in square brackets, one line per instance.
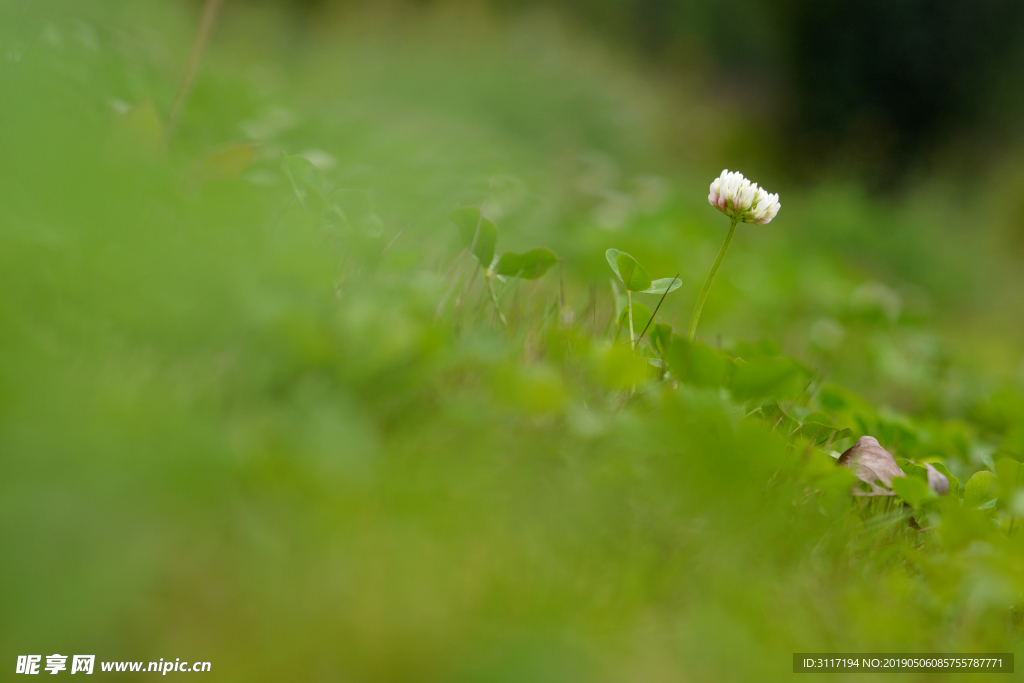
[528, 266]
[610, 255]
[781, 378]
[641, 316]
[912, 490]
[913, 469]
[980, 489]
[664, 285]
[472, 225]
[818, 416]
[697, 364]
[632, 273]
[778, 418]
[821, 433]
[814, 431]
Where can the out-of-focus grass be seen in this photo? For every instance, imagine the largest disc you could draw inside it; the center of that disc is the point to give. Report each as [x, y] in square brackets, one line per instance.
[234, 431]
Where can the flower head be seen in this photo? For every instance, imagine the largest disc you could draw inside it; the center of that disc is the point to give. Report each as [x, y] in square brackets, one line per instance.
[738, 198]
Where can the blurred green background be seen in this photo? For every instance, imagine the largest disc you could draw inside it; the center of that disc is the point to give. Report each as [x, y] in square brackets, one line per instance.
[270, 421]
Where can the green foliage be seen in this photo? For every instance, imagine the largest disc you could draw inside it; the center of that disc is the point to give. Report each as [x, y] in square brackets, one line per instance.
[1010, 477]
[954, 482]
[782, 378]
[663, 285]
[479, 234]
[635, 278]
[697, 364]
[631, 273]
[913, 491]
[641, 316]
[537, 390]
[818, 428]
[981, 489]
[247, 398]
[661, 337]
[616, 367]
[307, 181]
[776, 416]
[529, 265]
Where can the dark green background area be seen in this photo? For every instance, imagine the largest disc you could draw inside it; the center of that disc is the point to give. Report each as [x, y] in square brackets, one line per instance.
[258, 408]
[875, 86]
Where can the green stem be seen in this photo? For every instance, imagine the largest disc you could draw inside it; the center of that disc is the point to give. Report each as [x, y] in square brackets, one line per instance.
[629, 305]
[494, 300]
[195, 59]
[707, 283]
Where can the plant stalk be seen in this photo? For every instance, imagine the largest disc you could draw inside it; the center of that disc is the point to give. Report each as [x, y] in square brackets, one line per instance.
[195, 59]
[629, 305]
[494, 300]
[692, 333]
[656, 308]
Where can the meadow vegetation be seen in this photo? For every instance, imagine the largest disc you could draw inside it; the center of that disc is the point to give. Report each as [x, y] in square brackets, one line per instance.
[333, 381]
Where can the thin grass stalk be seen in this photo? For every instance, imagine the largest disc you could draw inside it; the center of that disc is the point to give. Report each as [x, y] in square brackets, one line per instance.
[195, 60]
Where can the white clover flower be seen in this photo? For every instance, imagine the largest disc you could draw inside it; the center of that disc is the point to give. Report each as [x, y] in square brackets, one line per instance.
[766, 206]
[738, 198]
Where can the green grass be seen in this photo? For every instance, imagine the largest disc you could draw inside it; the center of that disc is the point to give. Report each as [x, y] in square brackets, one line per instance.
[293, 438]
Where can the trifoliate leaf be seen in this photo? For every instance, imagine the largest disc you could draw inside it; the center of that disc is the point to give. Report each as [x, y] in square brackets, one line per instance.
[632, 273]
[981, 489]
[478, 233]
[664, 285]
[528, 266]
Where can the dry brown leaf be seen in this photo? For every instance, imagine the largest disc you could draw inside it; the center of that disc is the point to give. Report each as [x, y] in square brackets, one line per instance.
[937, 480]
[873, 465]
